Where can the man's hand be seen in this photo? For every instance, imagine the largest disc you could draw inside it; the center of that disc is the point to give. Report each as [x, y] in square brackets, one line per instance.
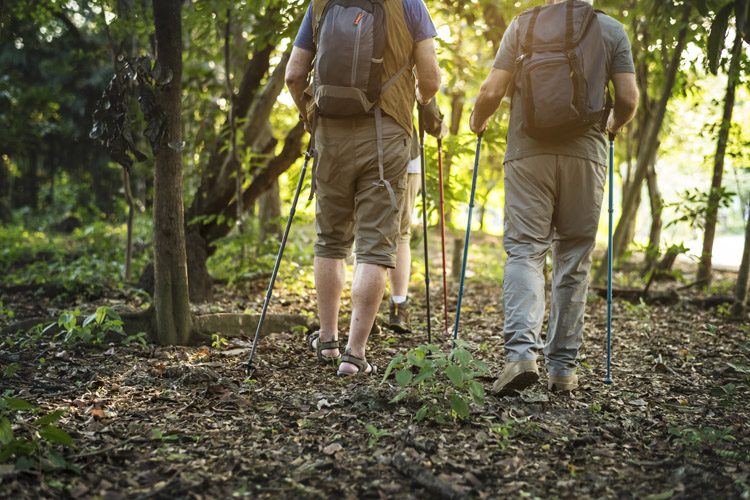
[476, 127]
[421, 100]
[612, 128]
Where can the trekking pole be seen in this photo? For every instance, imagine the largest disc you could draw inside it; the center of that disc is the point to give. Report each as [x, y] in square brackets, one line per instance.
[420, 112]
[608, 380]
[466, 240]
[442, 228]
[308, 155]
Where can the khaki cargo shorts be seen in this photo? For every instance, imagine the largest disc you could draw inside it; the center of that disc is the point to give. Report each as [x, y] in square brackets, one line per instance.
[350, 206]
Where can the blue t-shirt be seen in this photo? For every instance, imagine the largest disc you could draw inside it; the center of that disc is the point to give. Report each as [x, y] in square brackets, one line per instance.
[416, 15]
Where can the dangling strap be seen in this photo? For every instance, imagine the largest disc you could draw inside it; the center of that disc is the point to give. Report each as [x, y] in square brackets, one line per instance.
[379, 133]
[314, 169]
[382, 181]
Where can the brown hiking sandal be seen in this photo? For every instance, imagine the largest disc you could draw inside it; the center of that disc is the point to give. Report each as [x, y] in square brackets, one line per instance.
[360, 363]
[322, 346]
[400, 318]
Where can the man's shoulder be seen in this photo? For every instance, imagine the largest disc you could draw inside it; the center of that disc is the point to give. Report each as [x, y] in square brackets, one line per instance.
[609, 24]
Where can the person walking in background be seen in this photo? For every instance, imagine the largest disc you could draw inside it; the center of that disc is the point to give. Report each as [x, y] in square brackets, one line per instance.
[399, 319]
[360, 171]
[553, 196]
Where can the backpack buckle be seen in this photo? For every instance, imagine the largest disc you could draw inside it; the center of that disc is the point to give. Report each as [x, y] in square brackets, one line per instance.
[572, 55]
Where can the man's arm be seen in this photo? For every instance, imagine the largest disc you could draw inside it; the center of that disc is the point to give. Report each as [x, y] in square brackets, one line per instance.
[626, 102]
[297, 70]
[428, 70]
[491, 93]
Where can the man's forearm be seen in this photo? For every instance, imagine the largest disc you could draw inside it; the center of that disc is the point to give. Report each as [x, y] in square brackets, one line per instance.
[297, 91]
[297, 70]
[623, 113]
[490, 96]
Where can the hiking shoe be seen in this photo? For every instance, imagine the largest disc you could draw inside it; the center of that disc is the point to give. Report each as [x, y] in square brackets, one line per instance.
[568, 383]
[375, 330]
[400, 321]
[516, 376]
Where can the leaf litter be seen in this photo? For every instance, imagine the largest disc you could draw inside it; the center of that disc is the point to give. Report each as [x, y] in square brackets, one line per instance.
[187, 422]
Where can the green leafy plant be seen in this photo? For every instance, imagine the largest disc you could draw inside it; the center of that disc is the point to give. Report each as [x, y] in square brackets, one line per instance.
[94, 329]
[32, 444]
[640, 310]
[376, 434]
[743, 369]
[692, 207]
[6, 312]
[217, 341]
[505, 431]
[445, 385]
[10, 370]
[694, 439]
[727, 393]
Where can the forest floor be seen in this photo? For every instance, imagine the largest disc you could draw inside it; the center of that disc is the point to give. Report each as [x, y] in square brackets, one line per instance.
[188, 422]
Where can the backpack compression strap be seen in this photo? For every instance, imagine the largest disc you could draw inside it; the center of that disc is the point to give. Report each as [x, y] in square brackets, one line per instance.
[379, 132]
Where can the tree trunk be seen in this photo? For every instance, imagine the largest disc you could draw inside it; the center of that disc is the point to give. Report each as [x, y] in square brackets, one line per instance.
[28, 194]
[714, 198]
[269, 211]
[649, 141]
[171, 302]
[739, 308]
[657, 206]
[4, 192]
[131, 215]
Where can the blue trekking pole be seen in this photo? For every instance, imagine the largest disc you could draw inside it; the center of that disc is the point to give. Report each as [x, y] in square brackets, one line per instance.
[308, 155]
[608, 380]
[466, 240]
[420, 112]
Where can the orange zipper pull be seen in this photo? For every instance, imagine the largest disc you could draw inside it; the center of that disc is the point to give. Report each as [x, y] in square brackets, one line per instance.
[359, 18]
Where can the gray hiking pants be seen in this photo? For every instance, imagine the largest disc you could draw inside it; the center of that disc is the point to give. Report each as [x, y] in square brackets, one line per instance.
[550, 201]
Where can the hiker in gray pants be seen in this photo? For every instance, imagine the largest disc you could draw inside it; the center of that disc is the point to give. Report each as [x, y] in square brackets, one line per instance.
[553, 197]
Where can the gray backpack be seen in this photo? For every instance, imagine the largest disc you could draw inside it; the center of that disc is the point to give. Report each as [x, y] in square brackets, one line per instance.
[561, 72]
[350, 42]
[348, 67]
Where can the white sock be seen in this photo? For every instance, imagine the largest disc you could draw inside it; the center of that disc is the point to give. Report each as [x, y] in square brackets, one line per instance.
[398, 299]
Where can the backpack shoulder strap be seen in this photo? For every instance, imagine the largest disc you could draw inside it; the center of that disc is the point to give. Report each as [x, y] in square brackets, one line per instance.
[528, 43]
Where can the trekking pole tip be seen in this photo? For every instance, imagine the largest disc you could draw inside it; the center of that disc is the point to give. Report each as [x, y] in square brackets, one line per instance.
[608, 380]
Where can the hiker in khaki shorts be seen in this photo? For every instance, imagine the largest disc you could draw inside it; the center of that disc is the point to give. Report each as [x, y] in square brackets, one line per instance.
[356, 201]
[553, 196]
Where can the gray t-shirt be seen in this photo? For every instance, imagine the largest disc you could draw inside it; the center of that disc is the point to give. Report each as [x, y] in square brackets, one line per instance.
[592, 144]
